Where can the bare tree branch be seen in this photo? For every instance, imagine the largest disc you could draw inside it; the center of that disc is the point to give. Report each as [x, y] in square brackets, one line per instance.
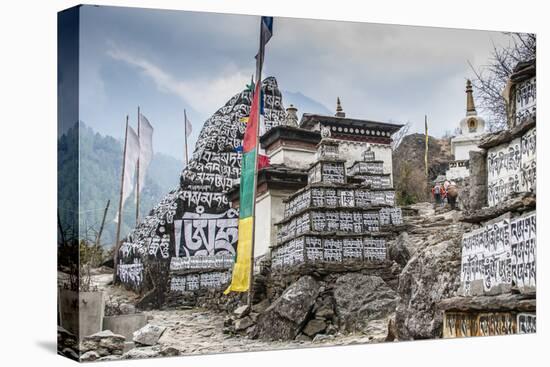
[491, 79]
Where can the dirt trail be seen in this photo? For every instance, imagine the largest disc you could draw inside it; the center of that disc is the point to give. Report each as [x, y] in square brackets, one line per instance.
[201, 331]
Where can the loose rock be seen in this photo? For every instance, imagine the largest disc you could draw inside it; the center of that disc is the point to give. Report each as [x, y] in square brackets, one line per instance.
[287, 314]
[244, 323]
[103, 343]
[241, 311]
[89, 356]
[149, 334]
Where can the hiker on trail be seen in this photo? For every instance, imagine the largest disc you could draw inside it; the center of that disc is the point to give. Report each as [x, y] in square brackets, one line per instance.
[452, 194]
[443, 194]
[436, 192]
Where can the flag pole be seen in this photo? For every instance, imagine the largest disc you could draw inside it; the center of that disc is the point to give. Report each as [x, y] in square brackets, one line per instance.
[137, 168]
[185, 132]
[117, 243]
[254, 188]
[426, 145]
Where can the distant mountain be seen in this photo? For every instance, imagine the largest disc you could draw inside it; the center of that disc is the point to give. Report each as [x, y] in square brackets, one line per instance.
[304, 104]
[99, 181]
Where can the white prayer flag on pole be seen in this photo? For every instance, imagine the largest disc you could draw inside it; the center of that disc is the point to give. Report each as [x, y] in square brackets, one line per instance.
[145, 148]
[130, 163]
[188, 129]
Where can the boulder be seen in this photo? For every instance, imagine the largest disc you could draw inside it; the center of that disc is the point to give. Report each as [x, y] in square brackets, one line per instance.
[361, 298]
[314, 326]
[149, 334]
[221, 134]
[103, 343]
[398, 250]
[432, 274]
[284, 318]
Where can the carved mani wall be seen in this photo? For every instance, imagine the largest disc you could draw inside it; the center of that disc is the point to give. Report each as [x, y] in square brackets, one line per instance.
[193, 229]
[511, 168]
[499, 256]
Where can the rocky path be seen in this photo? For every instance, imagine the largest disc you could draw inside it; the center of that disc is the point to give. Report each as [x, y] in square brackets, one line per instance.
[431, 226]
[431, 243]
[432, 273]
[199, 331]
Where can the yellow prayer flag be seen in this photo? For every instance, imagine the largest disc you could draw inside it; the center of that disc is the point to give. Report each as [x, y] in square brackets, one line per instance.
[241, 271]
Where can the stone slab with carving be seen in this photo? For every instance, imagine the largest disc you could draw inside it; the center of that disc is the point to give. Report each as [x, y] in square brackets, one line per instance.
[193, 228]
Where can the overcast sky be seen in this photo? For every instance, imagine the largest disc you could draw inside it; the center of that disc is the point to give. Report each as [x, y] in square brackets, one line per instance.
[168, 61]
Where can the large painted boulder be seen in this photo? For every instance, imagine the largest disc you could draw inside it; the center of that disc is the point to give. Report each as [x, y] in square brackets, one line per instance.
[188, 240]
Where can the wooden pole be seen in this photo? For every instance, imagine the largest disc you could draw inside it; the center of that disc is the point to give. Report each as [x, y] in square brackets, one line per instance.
[254, 189]
[185, 132]
[426, 147]
[428, 185]
[117, 243]
[137, 169]
[98, 238]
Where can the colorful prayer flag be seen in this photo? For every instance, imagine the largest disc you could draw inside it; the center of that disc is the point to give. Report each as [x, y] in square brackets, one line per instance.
[241, 271]
[240, 281]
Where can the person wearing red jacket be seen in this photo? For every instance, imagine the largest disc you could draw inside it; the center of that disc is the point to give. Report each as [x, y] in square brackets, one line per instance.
[437, 193]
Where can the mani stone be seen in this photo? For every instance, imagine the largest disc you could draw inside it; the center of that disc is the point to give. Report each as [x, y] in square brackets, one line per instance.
[362, 298]
[149, 334]
[284, 318]
[213, 167]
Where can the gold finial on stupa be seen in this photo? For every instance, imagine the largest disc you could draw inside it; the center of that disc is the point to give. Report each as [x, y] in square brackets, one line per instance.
[470, 107]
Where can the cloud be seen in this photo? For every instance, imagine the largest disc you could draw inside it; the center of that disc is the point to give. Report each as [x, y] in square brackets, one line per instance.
[204, 95]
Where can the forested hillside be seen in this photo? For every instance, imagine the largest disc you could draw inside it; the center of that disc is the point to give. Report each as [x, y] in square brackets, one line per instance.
[100, 160]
